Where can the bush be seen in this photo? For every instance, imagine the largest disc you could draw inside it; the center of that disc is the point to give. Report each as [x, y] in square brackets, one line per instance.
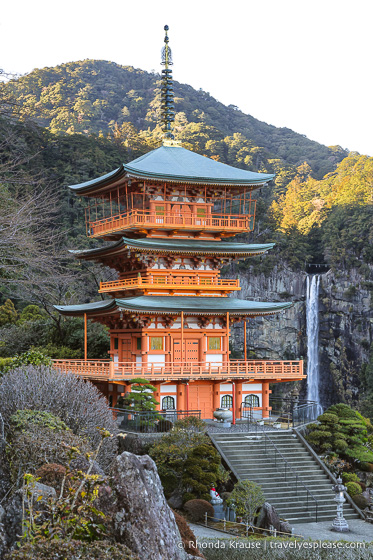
[29, 449]
[246, 499]
[31, 357]
[353, 488]
[22, 419]
[191, 423]
[196, 509]
[75, 401]
[73, 550]
[350, 477]
[187, 536]
[5, 364]
[187, 461]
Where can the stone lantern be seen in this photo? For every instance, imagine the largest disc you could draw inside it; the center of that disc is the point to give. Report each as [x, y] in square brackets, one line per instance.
[340, 524]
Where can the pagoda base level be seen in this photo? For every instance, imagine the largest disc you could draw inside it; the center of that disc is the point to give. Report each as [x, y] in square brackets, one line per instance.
[208, 388]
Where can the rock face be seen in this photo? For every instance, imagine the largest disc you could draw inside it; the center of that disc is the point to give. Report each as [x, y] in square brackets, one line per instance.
[11, 517]
[346, 326]
[143, 521]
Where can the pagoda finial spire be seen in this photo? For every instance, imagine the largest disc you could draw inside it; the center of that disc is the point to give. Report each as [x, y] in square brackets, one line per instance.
[167, 96]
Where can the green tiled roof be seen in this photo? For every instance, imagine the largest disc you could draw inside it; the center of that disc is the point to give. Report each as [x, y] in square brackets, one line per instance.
[177, 246]
[175, 304]
[179, 165]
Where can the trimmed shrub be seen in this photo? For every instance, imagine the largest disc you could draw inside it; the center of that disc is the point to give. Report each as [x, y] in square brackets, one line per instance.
[73, 550]
[366, 467]
[350, 477]
[187, 536]
[196, 509]
[78, 403]
[353, 488]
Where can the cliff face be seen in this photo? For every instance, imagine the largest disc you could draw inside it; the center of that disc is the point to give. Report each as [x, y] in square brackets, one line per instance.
[346, 327]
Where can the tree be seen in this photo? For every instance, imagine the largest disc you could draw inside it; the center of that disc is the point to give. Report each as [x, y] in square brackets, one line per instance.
[141, 396]
[246, 498]
[187, 463]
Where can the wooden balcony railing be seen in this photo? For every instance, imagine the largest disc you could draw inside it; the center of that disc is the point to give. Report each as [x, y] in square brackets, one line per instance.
[279, 370]
[151, 220]
[171, 283]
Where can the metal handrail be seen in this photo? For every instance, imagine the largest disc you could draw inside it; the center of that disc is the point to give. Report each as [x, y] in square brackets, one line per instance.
[288, 466]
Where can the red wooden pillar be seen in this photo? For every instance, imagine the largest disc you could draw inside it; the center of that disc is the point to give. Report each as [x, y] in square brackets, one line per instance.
[233, 402]
[265, 399]
[85, 337]
[187, 397]
[245, 339]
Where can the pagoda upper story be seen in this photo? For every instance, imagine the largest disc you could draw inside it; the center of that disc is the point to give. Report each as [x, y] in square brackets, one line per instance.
[171, 192]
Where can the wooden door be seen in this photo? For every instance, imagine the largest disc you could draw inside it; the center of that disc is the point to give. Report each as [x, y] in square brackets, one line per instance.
[191, 350]
[126, 350]
[200, 398]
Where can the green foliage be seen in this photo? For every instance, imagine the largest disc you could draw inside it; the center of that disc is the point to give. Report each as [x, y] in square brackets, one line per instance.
[73, 514]
[30, 314]
[191, 423]
[8, 313]
[343, 431]
[103, 98]
[350, 477]
[246, 499]
[5, 364]
[141, 395]
[22, 420]
[188, 462]
[31, 357]
[353, 488]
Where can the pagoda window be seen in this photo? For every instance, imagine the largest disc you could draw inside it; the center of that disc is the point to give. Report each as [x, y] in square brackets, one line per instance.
[227, 401]
[252, 400]
[138, 343]
[159, 210]
[214, 343]
[156, 343]
[168, 403]
[116, 343]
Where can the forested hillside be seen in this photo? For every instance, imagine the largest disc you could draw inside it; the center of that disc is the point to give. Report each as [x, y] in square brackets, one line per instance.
[99, 97]
[72, 123]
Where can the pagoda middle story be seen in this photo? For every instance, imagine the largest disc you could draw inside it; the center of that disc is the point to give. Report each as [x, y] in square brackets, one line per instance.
[167, 215]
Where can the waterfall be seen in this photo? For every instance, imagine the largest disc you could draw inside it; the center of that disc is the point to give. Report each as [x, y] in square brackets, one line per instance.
[312, 316]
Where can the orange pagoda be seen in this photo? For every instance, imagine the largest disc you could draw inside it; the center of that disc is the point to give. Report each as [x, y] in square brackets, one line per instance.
[167, 216]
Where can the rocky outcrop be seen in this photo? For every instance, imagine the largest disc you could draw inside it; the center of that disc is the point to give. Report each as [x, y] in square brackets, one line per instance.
[142, 520]
[346, 326]
[11, 515]
[268, 519]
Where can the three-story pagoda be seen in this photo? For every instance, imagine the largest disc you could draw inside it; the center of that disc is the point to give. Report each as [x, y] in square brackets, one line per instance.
[167, 215]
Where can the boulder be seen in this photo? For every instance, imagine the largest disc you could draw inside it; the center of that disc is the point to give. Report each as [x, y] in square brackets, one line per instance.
[143, 521]
[12, 515]
[175, 501]
[268, 516]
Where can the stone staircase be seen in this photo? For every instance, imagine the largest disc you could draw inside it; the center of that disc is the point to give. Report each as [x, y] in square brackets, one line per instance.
[245, 454]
